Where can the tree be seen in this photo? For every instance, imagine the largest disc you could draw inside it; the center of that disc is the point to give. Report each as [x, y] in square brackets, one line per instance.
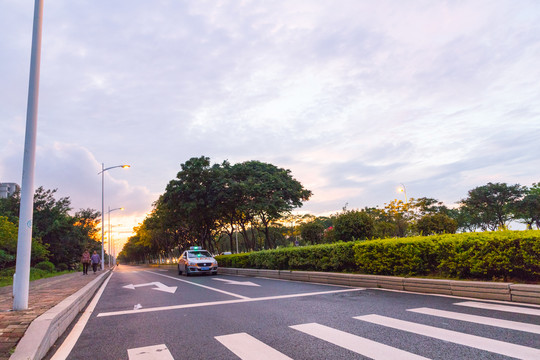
[528, 209]
[354, 224]
[438, 223]
[399, 214]
[312, 232]
[56, 235]
[492, 206]
[9, 207]
[192, 200]
[268, 193]
[8, 245]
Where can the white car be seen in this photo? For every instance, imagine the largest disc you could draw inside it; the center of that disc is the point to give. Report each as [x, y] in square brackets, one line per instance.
[196, 260]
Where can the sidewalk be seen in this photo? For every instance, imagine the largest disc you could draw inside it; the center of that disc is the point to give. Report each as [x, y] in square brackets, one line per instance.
[44, 294]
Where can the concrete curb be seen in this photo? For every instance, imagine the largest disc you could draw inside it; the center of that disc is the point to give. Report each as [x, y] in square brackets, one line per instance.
[46, 329]
[473, 289]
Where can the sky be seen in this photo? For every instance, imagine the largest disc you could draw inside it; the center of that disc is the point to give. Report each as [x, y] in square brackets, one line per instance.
[356, 97]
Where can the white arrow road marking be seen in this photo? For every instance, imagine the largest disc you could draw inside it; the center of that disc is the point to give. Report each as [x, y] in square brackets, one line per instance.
[200, 285]
[156, 352]
[160, 287]
[233, 282]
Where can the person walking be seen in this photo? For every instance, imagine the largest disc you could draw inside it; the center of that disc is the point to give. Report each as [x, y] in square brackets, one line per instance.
[85, 260]
[95, 261]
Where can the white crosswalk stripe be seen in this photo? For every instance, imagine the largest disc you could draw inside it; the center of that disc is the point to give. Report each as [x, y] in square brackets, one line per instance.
[498, 307]
[156, 352]
[246, 347]
[359, 345]
[495, 346]
[506, 324]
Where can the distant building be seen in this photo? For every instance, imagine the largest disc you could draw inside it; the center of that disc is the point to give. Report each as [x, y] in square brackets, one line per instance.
[8, 189]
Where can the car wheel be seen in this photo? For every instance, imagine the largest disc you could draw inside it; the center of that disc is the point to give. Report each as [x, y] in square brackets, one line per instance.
[187, 271]
[179, 271]
[214, 272]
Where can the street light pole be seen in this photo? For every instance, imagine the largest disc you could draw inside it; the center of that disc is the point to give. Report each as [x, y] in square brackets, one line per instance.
[102, 172]
[21, 281]
[404, 191]
[110, 234]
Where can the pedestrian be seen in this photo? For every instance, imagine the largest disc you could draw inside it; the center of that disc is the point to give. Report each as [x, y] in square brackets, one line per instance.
[95, 261]
[85, 260]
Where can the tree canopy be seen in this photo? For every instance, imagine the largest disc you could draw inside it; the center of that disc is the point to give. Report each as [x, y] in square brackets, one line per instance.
[205, 201]
[57, 236]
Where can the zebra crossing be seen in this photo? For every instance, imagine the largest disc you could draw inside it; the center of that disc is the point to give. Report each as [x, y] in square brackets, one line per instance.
[247, 347]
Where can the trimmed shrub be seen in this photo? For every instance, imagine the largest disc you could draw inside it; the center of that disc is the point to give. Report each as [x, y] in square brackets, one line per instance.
[45, 266]
[486, 255]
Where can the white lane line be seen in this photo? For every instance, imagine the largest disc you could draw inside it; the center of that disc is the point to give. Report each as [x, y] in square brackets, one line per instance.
[203, 286]
[507, 324]
[234, 282]
[495, 346]
[497, 307]
[246, 347]
[359, 345]
[68, 344]
[156, 352]
[225, 302]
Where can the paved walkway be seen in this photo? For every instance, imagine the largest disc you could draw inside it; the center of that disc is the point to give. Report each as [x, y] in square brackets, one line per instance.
[44, 294]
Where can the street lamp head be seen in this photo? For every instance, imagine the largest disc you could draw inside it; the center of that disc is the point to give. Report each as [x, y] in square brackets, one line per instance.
[126, 166]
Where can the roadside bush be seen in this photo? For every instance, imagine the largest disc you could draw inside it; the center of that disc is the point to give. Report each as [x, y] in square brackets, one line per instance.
[62, 267]
[6, 259]
[234, 260]
[45, 266]
[324, 257]
[485, 255]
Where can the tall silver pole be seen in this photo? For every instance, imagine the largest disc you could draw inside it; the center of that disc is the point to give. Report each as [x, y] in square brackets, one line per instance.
[21, 282]
[109, 235]
[102, 212]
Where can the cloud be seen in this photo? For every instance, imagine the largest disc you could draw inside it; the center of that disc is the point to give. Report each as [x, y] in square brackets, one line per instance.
[353, 97]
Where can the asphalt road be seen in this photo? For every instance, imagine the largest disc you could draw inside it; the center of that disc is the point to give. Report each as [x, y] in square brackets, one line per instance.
[157, 314]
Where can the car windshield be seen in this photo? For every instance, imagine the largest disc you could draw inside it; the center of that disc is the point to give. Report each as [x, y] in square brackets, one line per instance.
[198, 254]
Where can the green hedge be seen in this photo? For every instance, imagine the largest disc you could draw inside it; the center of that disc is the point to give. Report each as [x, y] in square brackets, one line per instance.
[326, 257]
[486, 255]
